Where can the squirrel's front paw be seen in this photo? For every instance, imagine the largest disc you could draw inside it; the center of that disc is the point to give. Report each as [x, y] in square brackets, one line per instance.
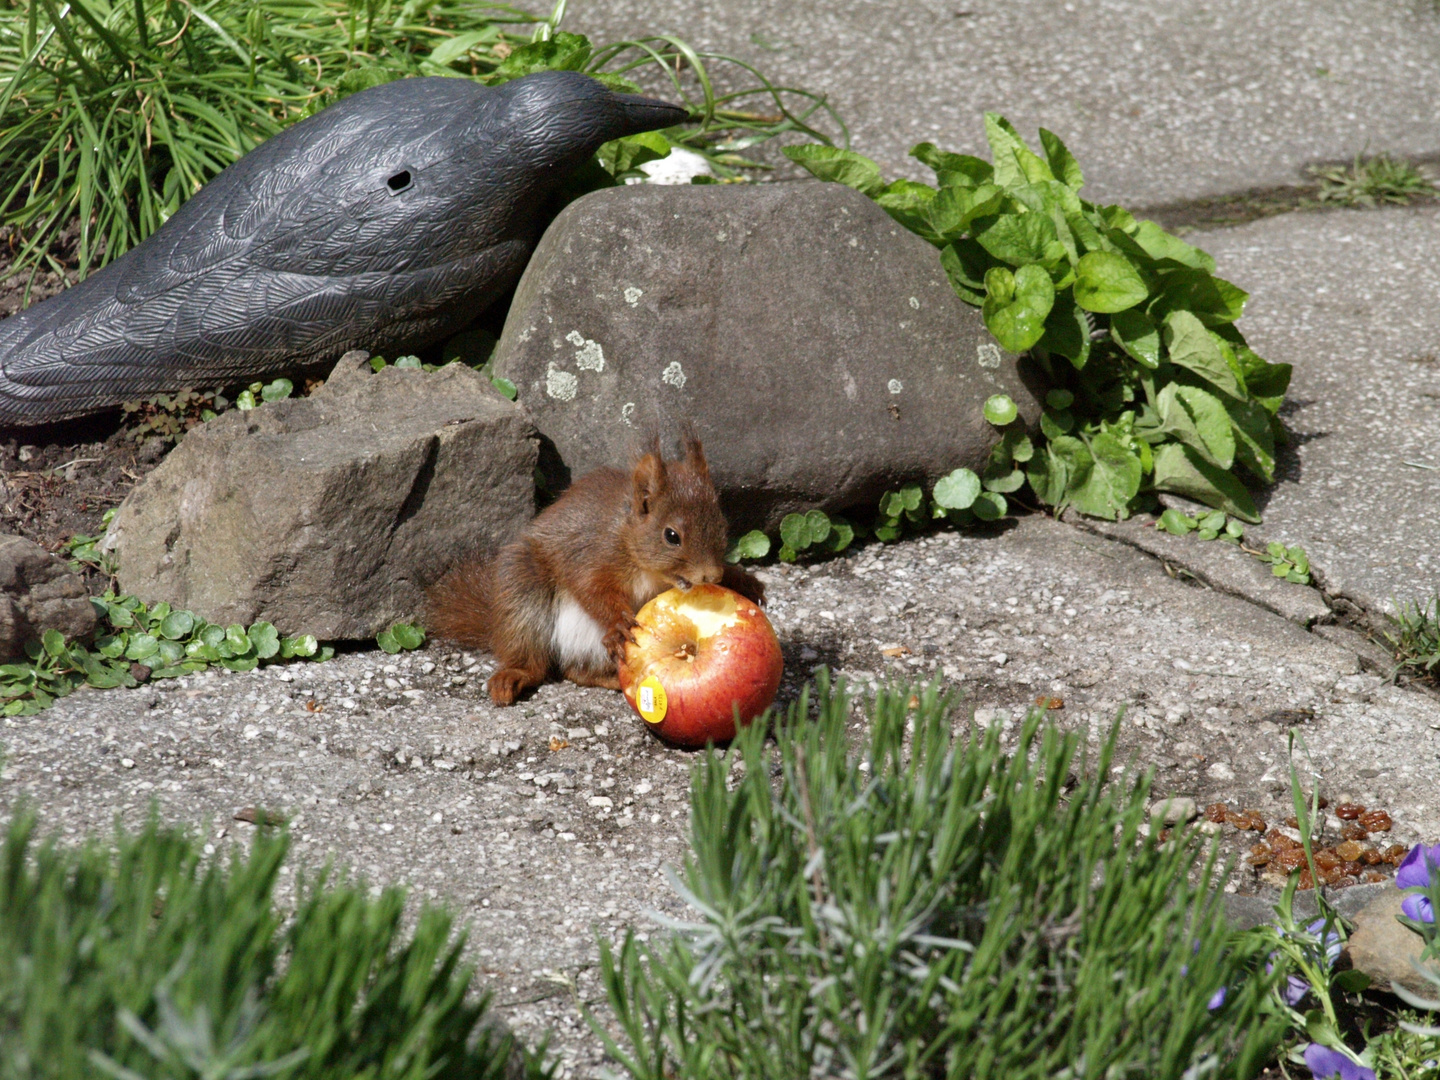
[621, 631]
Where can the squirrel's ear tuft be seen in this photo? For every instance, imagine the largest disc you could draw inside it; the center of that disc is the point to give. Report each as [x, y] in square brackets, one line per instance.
[694, 453]
[648, 482]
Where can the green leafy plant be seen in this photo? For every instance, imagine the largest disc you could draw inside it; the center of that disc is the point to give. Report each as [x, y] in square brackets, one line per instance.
[169, 416]
[933, 906]
[958, 498]
[1414, 637]
[400, 636]
[1369, 181]
[165, 641]
[816, 532]
[1290, 563]
[258, 393]
[143, 957]
[1154, 387]
[753, 545]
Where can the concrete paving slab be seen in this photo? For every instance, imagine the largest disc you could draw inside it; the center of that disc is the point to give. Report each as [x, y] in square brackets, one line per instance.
[1219, 565]
[1159, 101]
[550, 823]
[1350, 298]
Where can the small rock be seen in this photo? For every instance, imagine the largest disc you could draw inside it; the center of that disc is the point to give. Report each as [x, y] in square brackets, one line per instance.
[602, 802]
[444, 764]
[389, 476]
[1384, 949]
[1220, 771]
[38, 592]
[127, 763]
[1175, 810]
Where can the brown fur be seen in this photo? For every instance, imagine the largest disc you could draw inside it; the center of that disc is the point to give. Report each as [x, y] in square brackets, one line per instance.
[602, 544]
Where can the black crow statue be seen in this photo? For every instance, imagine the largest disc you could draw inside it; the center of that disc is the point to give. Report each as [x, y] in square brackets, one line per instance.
[387, 221]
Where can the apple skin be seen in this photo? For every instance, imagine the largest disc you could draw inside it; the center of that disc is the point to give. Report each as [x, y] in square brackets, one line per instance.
[713, 652]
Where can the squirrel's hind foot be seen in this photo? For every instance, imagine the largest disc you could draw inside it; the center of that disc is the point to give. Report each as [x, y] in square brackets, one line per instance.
[606, 680]
[509, 683]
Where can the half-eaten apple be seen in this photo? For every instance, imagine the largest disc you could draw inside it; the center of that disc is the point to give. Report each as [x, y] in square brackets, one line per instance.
[702, 659]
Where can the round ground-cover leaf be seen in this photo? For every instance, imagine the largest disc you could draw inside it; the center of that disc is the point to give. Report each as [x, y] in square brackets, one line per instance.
[1107, 282]
[957, 490]
[408, 636]
[842, 534]
[1000, 410]
[277, 390]
[795, 532]
[120, 617]
[386, 640]
[53, 642]
[171, 652]
[241, 663]
[112, 646]
[177, 625]
[1005, 482]
[1173, 521]
[142, 647]
[989, 506]
[753, 545]
[303, 645]
[818, 522]
[265, 640]
[236, 639]
[212, 635]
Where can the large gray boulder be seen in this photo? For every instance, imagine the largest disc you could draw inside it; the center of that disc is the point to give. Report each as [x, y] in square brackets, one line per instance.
[38, 592]
[330, 514]
[814, 343]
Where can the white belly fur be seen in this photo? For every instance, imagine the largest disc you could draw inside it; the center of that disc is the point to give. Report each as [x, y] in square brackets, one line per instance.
[578, 640]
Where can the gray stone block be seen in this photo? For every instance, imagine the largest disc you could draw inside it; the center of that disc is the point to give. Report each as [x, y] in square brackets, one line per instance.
[330, 514]
[815, 344]
[38, 592]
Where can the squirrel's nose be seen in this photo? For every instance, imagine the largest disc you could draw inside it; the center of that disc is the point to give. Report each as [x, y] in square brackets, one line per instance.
[713, 576]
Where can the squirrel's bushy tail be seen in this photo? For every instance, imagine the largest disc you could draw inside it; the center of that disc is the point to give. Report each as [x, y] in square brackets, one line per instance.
[458, 606]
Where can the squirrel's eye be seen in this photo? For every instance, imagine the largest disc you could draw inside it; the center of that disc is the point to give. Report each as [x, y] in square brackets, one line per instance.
[672, 537]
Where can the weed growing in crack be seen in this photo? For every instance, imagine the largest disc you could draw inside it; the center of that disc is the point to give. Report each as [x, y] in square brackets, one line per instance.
[1415, 640]
[1371, 181]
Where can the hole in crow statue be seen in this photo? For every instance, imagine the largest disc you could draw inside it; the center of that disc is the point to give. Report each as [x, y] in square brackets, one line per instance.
[386, 222]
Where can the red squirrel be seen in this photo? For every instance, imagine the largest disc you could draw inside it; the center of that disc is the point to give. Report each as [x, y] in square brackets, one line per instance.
[563, 596]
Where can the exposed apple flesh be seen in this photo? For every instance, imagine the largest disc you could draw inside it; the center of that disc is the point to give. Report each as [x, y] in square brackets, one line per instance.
[700, 658]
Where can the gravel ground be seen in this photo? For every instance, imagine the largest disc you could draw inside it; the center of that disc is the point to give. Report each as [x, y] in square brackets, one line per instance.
[553, 822]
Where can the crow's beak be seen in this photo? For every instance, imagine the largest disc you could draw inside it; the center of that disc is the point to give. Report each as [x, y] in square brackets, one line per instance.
[648, 114]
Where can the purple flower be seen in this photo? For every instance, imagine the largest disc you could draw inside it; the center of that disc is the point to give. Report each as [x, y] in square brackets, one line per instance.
[1415, 870]
[1217, 999]
[1295, 990]
[1418, 908]
[1331, 940]
[1327, 1064]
